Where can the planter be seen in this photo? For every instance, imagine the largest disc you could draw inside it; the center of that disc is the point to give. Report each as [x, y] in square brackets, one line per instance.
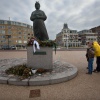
[42, 58]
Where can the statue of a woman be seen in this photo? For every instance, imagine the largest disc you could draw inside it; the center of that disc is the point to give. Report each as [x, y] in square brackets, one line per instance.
[38, 17]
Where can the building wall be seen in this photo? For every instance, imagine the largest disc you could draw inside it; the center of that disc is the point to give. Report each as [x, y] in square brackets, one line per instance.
[72, 38]
[97, 31]
[68, 37]
[87, 35]
[19, 33]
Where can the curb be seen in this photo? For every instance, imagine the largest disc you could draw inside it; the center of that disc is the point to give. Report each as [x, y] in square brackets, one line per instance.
[39, 81]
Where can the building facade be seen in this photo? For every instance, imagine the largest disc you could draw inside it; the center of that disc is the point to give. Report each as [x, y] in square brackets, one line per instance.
[87, 35]
[14, 34]
[97, 31]
[72, 38]
[68, 37]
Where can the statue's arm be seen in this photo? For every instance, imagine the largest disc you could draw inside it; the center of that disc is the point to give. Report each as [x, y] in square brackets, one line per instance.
[39, 16]
[44, 16]
[32, 17]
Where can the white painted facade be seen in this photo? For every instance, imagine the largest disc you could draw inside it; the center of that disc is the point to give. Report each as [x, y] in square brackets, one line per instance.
[68, 37]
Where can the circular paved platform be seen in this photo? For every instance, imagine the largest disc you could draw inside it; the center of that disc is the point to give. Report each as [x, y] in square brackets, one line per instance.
[62, 71]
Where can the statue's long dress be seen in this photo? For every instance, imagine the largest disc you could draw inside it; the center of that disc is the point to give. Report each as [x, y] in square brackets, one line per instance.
[38, 17]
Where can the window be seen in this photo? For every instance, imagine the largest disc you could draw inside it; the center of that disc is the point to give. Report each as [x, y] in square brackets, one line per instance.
[19, 24]
[20, 33]
[28, 26]
[12, 23]
[9, 27]
[10, 41]
[65, 31]
[2, 36]
[3, 41]
[19, 41]
[24, 25]
[31, 27]
[19, 37]
[9, 32]
[9, 22]
[25, 37]
[25, 41]
[2, 27]
[1, 22]
[2, 31]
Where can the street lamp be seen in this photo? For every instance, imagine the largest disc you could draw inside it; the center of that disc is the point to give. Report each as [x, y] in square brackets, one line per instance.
[8, 36]
[67, 41]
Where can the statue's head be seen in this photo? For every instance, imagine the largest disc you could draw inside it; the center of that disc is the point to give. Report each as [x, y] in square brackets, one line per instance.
[37, 5]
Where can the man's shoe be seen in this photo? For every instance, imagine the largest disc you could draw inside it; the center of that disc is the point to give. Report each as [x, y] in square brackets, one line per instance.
[94, 70]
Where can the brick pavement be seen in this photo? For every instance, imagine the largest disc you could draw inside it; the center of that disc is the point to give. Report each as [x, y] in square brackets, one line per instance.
[83, 87]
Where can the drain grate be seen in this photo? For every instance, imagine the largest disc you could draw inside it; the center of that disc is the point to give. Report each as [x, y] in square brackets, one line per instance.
[34, 93]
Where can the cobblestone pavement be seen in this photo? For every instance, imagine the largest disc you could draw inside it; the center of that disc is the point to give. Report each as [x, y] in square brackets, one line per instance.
[83, 87]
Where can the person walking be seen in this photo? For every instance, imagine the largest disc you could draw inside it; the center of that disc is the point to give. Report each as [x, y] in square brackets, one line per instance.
[90, 54]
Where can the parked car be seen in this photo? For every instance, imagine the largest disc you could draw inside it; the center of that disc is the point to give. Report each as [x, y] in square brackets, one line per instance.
[8, 48]
[13, 48]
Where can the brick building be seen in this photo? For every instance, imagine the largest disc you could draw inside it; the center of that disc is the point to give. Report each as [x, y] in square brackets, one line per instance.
[14, 34]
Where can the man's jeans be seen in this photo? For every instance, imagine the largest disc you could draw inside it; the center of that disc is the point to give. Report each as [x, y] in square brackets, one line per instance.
[90, 65]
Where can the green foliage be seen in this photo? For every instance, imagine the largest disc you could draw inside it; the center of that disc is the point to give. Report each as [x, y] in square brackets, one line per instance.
[48, 43]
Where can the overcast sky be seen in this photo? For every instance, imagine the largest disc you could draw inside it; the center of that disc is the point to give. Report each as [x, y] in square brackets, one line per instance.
[78, 14]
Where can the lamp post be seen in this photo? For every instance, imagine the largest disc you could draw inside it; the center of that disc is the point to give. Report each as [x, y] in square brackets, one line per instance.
[1, 44]
[67, 41]
[8, 36]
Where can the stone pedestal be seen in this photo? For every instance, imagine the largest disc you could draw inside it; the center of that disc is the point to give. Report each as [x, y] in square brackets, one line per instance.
[42, 58]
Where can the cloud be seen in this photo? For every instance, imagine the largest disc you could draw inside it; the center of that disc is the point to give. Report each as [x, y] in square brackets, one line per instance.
[78, 14]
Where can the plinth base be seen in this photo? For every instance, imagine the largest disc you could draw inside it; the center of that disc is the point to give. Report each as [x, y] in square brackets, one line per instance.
[42, 58]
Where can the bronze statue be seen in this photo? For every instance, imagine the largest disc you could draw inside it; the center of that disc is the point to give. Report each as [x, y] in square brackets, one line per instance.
[38, 17]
